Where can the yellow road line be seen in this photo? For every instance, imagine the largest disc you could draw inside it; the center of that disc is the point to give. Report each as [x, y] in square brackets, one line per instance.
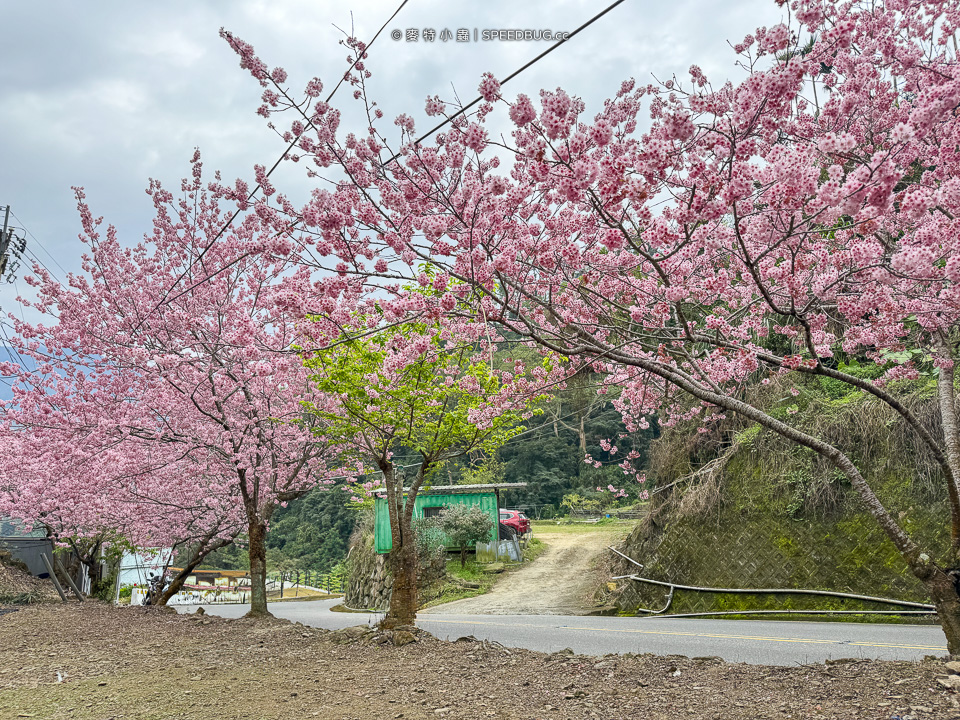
[941, 648]
[762, 638]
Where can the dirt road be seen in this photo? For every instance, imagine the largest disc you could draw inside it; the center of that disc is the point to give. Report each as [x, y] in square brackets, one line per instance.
[560, 582]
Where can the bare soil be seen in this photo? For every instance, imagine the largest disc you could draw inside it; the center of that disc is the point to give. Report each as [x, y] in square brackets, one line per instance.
[559, 582]
[17, 586]
[97, 662]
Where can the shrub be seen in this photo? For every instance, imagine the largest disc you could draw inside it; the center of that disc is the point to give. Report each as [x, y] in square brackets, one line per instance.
[465, 525]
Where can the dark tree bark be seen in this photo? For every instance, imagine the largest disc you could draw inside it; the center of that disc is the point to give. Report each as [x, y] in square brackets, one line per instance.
[257, 531]
[940, 585]
[87, 552]
[403, 601]
[402, 558]
[257, 520]
[403, 555]
[943, 592]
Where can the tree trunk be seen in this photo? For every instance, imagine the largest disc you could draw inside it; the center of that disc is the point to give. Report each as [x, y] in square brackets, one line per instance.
[85, 558]
[943, 592]
[403, 602]
[174, 587]
[195, 559]
[403, 554]
[951, 437]
[94, 568]
[583, 438]
[463, 556]
[935, 579]
[257, 530]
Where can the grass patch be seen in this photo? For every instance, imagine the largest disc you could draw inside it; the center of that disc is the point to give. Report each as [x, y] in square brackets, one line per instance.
[865, 618]
[298, 594]
[21, 598]
[307, 598]
[453, 586]
[534, 549]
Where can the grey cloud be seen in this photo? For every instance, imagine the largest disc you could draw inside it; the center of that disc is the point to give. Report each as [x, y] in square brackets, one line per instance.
[107, 94]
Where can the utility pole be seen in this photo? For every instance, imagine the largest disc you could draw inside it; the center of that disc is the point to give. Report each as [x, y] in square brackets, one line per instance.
[6, 223]
[6, 240]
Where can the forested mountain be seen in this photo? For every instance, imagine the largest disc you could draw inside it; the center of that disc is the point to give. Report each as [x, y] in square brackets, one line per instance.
[549, 454]
[312, 532]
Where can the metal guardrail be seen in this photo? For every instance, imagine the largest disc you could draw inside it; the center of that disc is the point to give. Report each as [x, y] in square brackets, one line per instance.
[916, 608]
[332, 583]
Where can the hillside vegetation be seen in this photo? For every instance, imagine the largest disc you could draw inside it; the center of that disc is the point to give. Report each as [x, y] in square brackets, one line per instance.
[740, 507]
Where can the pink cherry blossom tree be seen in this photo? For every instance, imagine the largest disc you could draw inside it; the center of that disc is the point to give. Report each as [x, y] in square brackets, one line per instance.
[765, 226]
[168, 375]
[66, 472]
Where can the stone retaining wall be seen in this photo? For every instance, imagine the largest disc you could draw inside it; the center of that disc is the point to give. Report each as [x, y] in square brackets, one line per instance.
[369, 582]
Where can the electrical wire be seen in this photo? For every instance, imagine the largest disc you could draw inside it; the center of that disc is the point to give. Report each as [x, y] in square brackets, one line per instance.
[462, 110]
[275, 165]
[17, 290]
[293, 142]
[33, 256]
[512, 75]
[37, 241]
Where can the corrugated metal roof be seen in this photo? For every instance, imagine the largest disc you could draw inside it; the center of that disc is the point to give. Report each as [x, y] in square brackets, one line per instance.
[462, 489]
[454, 489]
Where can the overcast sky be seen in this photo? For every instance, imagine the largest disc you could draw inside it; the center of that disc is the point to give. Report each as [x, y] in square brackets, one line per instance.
[108, 94]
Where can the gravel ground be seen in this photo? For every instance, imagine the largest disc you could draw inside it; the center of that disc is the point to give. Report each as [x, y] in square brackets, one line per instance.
[99, 662]
[559, 582]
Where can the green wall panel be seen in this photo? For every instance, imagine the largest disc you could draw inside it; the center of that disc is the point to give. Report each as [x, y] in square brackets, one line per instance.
[382, 538]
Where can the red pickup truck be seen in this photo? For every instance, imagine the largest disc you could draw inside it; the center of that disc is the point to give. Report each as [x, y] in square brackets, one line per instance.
[516, 520]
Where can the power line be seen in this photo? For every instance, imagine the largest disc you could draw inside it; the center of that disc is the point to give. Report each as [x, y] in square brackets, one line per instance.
[37, 241]
[33, 256]
[10, 245]
[294, 141]
[462, 110]
[16, 247]
[512, 75]
[276, 164]
[8, 346]
[17, 250]
[17, 290]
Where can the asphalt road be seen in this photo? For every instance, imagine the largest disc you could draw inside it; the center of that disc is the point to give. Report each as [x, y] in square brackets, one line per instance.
[751, 641]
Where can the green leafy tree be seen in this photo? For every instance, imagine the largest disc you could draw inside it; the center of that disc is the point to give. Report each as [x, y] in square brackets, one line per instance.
[465, 525]
[414, 389]
[314, 530]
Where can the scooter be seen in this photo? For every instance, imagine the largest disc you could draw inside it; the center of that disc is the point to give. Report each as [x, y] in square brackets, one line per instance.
[156, 584]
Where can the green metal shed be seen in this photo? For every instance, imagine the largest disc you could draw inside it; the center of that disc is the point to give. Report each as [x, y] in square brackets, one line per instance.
[430, 501]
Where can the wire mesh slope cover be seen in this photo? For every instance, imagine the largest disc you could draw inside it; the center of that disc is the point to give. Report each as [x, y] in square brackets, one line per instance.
[847, 554]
